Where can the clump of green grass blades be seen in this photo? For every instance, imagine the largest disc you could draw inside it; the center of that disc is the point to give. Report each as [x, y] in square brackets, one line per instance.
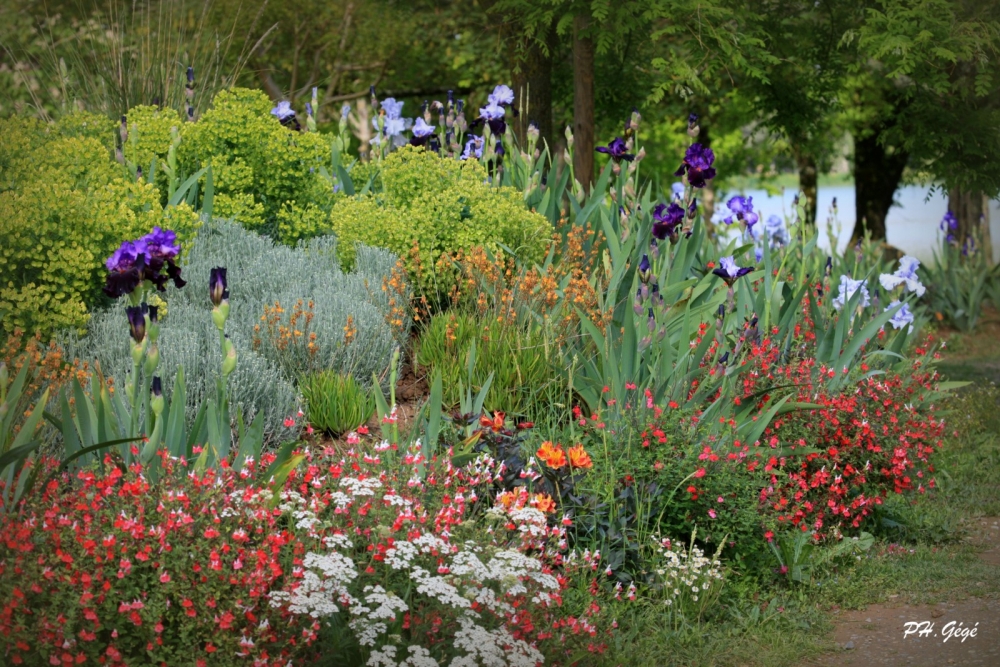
[335, 403]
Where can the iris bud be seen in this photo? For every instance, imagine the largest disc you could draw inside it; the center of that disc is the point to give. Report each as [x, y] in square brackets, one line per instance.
[138, 349]
[153, 324]
[217, 285]
[221, 312]
[156, 396]
[152, 359]
[229, 357]
[644, 269]
[137, 322]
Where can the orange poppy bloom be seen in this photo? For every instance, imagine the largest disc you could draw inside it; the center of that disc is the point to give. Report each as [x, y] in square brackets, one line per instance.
[552, 455]
[579, 458]
[495, 423]
[544, 503]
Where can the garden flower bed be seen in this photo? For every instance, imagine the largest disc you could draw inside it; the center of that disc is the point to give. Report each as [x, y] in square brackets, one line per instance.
[626, 417]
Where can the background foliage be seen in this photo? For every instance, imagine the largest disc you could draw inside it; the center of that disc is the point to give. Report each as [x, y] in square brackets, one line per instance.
[65, 207]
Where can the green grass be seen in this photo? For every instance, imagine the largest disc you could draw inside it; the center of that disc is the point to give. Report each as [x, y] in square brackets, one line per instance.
[732, 637]
[929, 575]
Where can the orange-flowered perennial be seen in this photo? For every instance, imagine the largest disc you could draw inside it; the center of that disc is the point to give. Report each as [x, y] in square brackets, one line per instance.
[579, 458]
[544, 503]
[495, 423]
[552, 455]
[511, 500]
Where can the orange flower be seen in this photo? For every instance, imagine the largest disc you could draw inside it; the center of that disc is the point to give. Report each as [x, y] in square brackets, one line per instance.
[496, 423]
[579, 458]
[507, 499]
[551, 455]
[544, 503]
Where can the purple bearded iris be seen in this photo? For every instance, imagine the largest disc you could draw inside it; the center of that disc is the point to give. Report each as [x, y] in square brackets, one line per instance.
[473, 147]
[905, 275]
[421, 132]
[143, 259]
[777, 233]
[729, 272]
[742, 208]
[492, 114]
[285, 114]
[161, 249]
[698, 165]
[848, 287]
[667, 220]
[393, 123]
[125, 269]
[902, 317]
[949, 225]
[502, 95]
[616, 149]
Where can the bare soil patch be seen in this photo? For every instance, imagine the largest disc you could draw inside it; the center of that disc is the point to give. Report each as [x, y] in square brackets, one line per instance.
[878, 635]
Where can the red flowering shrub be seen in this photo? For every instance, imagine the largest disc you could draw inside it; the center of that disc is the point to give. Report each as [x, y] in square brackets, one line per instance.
[823, 464]
[829, 467]
[101, 568]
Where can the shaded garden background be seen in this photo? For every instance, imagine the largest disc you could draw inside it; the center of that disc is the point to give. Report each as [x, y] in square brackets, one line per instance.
[888, 92]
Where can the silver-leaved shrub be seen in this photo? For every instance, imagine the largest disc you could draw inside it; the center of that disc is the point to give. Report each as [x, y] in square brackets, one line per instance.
[350, 313]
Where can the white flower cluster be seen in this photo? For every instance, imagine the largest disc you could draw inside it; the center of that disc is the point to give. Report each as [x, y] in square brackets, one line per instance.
[368, 621]
[686, 572]
[361, 487]
[302, 511]
[324, 582]
[386, 657]
[437, 587]
[531, 521]
[463, 576]
[252, 502]
[495, 648]
[484, 648]
[479, 588]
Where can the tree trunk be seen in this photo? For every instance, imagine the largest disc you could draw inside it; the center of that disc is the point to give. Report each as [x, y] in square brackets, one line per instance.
[877, 173]
[808, 184]
[532, 83]
[972, 211]
[583, 102]
[986, 237]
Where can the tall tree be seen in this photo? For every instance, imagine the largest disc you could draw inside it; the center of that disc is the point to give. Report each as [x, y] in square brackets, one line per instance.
[583, 100]
[799, 94]
[655, 54]
[531, 79]
[942, 58]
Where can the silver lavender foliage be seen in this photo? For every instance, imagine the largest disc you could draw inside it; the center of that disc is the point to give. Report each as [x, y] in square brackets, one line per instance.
[259, 273]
